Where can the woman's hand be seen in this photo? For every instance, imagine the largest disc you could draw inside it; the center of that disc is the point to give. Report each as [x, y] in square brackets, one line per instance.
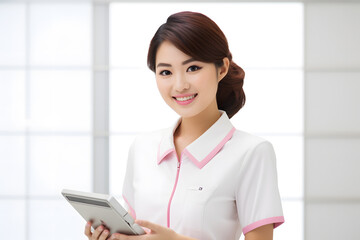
[100, 233]
[156, 232]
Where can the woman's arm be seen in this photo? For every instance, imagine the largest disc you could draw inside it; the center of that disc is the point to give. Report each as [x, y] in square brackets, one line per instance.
[261, 233]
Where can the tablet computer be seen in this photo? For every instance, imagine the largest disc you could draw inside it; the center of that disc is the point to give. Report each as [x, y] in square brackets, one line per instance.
[104, 210]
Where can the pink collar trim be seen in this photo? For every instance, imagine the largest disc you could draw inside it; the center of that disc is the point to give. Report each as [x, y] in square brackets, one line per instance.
[203, 149]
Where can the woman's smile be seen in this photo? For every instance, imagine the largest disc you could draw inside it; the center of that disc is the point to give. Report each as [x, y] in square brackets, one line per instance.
[185, 99]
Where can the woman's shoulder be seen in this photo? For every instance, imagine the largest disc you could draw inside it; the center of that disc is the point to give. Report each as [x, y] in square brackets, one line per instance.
[253, 149]
[248, 140]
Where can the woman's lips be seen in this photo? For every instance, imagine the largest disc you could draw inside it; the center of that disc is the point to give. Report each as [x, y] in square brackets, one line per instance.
[185, 99]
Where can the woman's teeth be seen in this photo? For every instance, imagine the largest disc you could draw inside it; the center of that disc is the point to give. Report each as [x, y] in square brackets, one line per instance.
[186, 98]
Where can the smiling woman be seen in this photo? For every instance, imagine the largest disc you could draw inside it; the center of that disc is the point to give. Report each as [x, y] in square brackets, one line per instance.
[266, 46]
[187, 88]
[204, 42]
[178, 178]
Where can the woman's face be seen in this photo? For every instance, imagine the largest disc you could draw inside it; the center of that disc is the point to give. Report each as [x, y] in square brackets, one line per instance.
[189, 87]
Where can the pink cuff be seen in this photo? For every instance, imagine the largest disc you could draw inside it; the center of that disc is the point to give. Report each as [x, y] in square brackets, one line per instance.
[277, 221]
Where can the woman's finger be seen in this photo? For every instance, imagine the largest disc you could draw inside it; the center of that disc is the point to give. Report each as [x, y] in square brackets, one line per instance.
[97, 232]
[152, 226]
[88, 229]
[118, 236]
[104, 234]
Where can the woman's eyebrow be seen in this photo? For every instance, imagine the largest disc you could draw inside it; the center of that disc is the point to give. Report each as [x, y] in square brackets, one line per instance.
[169, 65]
[163, 65]
[188, 61]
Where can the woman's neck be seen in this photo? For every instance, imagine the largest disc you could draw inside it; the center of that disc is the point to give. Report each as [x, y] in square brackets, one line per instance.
[193, 127]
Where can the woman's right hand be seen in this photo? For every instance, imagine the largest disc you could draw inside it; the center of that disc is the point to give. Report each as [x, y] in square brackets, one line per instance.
[100, 233]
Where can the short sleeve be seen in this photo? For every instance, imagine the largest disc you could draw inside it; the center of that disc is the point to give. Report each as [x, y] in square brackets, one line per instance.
[128, 186]
[257, 198]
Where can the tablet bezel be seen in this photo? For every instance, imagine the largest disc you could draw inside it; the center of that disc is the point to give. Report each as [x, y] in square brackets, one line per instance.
[89, 202]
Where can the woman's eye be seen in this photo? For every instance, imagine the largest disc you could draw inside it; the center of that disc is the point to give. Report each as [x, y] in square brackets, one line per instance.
[193, 68]
[165, 73]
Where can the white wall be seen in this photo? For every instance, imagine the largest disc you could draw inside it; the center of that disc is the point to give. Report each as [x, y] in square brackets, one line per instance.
[332, 121]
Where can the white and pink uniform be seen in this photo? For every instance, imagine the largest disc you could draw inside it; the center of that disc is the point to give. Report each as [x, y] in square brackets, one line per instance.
[224, 183]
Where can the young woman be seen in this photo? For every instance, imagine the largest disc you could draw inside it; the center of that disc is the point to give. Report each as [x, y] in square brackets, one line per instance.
[201, 178]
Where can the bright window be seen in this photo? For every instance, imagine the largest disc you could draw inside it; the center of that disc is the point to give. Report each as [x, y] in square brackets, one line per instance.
[45, 117]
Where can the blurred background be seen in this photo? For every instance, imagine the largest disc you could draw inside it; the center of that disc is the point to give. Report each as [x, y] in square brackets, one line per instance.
[75, 91]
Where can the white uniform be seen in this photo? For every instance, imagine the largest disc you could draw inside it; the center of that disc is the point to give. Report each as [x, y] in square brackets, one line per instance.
[225, 182]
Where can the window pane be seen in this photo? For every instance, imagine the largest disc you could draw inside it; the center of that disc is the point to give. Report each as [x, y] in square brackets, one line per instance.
[12, 32]
[58, 162]
[332, 167]
[331, 219]
[55, 220]
[60, 100]
[332, 102]
[12, 162]
[262, 38]
[12, 220]
[274, 102]
[119, 148]
[60, 34]
[12, 100]
[135, 103]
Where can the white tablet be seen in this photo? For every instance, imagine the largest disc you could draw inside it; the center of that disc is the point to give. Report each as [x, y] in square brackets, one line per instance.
[104, 210]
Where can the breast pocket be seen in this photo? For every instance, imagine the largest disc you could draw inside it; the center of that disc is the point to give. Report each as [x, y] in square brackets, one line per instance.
[196, 201]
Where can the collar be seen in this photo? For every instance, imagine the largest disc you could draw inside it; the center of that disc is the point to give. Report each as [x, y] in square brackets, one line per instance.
[204, 148]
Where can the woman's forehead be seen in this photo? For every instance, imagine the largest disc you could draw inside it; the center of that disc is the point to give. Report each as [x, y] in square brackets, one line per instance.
[169, 53]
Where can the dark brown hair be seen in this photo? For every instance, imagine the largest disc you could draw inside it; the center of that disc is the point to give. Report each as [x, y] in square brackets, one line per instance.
[199, 37]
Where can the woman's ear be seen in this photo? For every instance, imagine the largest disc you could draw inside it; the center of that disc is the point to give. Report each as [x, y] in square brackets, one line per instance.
[223, 70]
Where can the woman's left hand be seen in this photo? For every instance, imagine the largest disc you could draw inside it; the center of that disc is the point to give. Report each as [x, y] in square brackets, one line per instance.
[156, 232]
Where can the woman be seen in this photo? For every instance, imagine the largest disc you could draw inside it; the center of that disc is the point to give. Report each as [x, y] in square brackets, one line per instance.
[201, 178]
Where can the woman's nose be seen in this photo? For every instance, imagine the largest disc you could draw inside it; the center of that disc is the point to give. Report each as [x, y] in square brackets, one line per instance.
[181, 83]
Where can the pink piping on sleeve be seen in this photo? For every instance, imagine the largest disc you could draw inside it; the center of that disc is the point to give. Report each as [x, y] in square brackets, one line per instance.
[132, 212]
[212, 153]
[277, 221]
